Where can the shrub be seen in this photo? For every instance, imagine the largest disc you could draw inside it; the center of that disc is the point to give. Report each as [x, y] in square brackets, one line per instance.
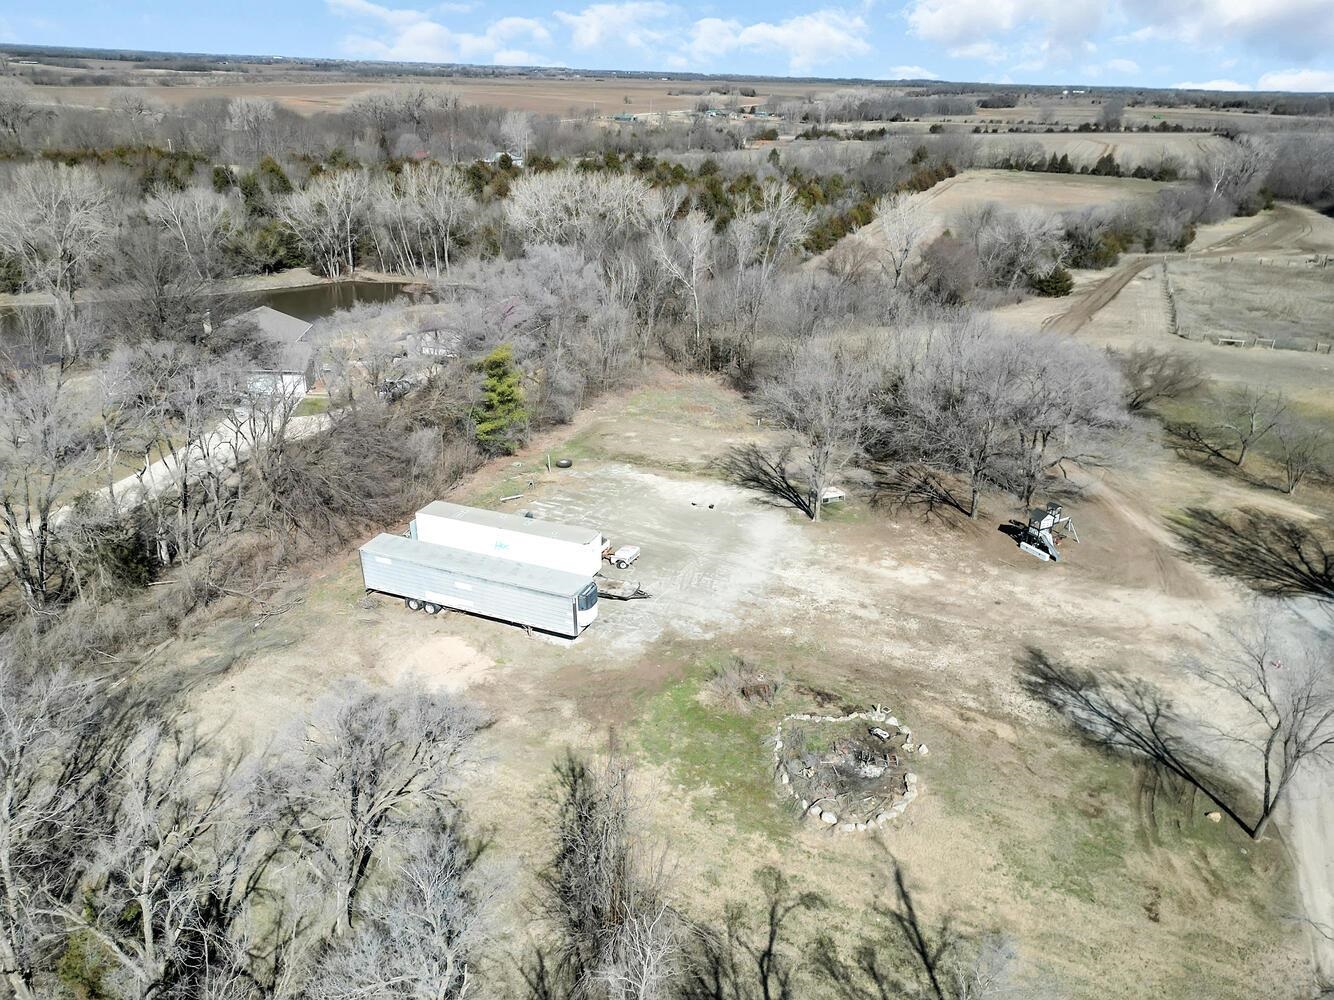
[1053, 284]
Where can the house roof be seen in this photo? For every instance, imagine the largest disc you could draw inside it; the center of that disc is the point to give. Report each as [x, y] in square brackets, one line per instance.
[288, 332]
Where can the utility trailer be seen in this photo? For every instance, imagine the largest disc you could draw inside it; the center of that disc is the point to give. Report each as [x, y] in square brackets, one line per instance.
[432, 577]
[511, 536]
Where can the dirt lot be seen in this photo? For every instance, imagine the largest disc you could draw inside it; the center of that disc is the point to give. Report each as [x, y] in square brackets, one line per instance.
[1111, 883]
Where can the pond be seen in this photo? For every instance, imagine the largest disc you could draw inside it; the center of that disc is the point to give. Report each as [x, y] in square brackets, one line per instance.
[308, 302]
[312, 302]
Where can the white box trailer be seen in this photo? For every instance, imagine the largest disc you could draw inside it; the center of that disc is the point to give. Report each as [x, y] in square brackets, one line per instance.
[511, 536]
[432, 577]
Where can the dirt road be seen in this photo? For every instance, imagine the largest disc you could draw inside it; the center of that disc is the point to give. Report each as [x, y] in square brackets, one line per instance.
[1286, 228]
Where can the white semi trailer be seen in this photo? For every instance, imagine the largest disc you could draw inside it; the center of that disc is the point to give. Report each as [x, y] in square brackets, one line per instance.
[511, 536]
[432, 577]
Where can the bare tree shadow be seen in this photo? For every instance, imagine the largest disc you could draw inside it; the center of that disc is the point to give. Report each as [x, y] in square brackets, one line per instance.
[750, 466]
[1270, 553]
[915, 957]
[916, 488]
[1126, 717]
[749, 960]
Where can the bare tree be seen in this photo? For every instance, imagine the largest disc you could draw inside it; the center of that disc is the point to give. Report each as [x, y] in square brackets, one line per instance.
[1109, 115]
[140, 110]
[57, 221]
[1012, 246]
[1278, 714]
[420, 935]
[327, 218]
[367, 760]
[19, 107]
[48, 726]
[903, 224]
[603, 895]
[516, 133]
[253, 118]
[949, 406]
[1249, 417]
[643, 959]
[44, 451]
[1303, 451]
[599, 213]
[1234, 171]
[420, 216]
[378, 111]
[763, 239]
[1065, 400]
[1152, 374]
[686, 256]
[170, 854]
[200, 222]
[825, 395]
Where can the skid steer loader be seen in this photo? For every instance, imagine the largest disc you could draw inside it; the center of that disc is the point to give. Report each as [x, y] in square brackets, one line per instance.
[1045, 531]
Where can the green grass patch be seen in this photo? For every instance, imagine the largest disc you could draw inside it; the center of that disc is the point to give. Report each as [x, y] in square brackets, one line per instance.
[710, 749]
[311, 406]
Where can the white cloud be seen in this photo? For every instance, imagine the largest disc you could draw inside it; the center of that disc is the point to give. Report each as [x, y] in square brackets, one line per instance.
[414, 36]
[637, 23]
[1300, 29]
[1126, 66]
[985, 51]
[911, 73]
[1213, 85]
[1318, 80]
[807, 40]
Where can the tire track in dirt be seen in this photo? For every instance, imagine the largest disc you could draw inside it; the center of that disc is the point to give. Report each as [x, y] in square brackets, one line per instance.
[1285, 229]
[1088, 306]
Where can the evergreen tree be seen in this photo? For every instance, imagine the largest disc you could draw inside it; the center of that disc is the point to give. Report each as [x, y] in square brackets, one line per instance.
[1053, 284]
[501, 419]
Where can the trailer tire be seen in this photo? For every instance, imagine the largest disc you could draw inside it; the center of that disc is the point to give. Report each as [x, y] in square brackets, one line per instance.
[413, 604]
[622, 564]
[431, 609]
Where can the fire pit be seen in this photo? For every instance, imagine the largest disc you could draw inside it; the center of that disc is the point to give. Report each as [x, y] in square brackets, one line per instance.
[850, 772]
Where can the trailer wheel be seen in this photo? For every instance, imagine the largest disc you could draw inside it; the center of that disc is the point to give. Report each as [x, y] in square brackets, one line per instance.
[622, 564]
[432, 609]
[413, 604]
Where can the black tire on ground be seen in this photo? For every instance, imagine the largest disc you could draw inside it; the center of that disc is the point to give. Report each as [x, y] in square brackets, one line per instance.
[431, 609]
[622, 564]
[413, 604]
[564, 463]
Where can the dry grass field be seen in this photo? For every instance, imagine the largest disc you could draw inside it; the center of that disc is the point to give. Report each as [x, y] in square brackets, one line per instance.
[546, 96]
[1243, 277]
[1131, 149]
[1288, 300]
[1074, 110]
[1111, 882]
[1014, 189]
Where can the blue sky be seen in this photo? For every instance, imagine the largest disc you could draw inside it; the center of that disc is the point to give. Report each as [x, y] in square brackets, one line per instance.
[1221, 44]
